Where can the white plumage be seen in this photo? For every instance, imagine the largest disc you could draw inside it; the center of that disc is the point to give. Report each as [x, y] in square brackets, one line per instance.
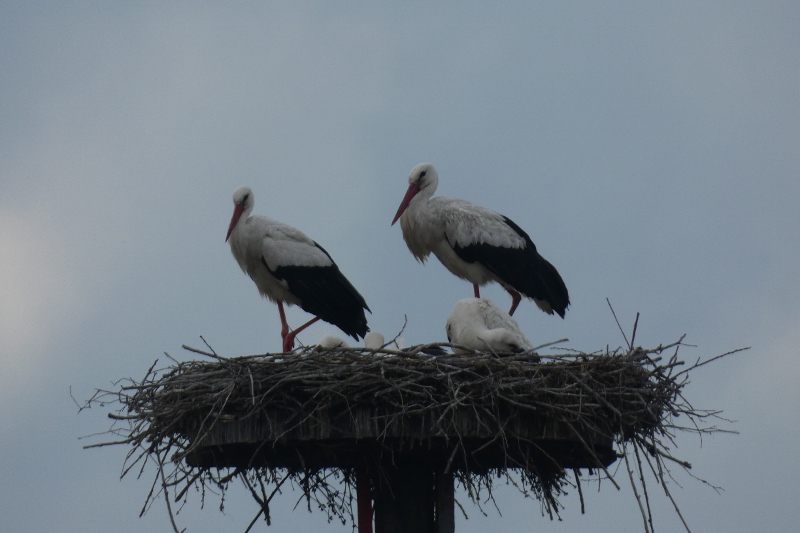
[329, 342]
[478, 324]
[476, 244]
[374, 340]
[288, 267]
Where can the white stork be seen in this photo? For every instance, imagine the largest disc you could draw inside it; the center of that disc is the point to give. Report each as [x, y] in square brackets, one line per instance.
[478, 324]
[477, 244]
[288, 267]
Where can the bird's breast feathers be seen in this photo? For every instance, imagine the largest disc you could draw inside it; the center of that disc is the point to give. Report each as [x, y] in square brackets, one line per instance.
[420, 235]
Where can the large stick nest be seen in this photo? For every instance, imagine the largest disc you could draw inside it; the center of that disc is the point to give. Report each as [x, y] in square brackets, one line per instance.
[312, 416]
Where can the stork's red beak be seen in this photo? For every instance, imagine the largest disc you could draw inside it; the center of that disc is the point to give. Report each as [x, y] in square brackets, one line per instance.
[413, 189]
[238, 209]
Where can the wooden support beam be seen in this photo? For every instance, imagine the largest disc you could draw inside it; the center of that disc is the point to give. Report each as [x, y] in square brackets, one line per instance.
[404, 499]
[414, 496]
[445, 503]
[364, 500]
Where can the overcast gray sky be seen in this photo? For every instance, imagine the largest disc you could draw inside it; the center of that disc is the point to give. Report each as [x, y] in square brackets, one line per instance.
[651, 151]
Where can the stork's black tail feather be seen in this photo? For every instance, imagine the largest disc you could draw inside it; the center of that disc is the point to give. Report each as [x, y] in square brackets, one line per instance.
[334, 299]
[556, 289]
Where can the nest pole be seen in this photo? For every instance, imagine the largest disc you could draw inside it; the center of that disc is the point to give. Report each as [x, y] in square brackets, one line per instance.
[404, 500]
[445, 502]
[414, 496]
[364, 500]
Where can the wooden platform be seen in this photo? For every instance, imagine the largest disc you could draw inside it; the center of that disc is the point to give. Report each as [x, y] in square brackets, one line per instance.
[344, 438]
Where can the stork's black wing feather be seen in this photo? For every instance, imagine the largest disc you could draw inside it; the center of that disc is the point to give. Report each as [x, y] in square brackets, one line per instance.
[521, 268]
[325, 292]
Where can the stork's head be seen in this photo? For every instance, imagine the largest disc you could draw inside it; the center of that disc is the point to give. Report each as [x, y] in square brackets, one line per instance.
[243, 202]
[423, 177]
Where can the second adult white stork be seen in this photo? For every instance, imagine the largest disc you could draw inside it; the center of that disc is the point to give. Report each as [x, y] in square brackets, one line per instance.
[288, 267]
[477, 244]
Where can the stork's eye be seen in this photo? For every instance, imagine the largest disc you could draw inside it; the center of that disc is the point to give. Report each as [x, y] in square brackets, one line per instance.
[422, 174]
[246, 196]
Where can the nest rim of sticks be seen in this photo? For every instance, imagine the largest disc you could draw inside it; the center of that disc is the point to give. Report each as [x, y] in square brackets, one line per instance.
[608, 404]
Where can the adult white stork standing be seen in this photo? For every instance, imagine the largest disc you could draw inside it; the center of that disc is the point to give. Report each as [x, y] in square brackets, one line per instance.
[477, 244]
[288, 267]
[478, 324]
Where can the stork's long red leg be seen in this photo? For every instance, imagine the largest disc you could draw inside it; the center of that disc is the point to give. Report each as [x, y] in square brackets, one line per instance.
[515, 299]
[477, 290]
[284, 325]
[288, 340]
[364, 501]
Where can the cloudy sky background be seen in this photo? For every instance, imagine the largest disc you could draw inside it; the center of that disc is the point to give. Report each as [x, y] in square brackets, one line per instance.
[652, 153]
